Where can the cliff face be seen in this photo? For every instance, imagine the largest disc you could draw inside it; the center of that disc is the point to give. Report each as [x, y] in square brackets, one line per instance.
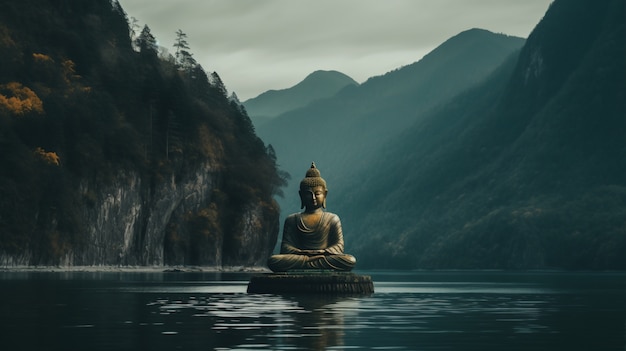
[129, 224]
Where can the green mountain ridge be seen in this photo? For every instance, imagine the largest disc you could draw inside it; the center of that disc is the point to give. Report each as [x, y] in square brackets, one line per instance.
[345, 130]
[523, 171]
[317, 85]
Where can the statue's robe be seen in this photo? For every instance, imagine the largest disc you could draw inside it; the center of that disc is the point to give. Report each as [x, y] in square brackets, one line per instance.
[326, 235]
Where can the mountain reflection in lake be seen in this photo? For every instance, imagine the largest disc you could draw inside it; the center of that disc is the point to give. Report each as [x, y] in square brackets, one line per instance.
[445, 310]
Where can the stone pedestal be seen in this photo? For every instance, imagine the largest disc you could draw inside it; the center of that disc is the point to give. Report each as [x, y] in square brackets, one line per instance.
[311, 282]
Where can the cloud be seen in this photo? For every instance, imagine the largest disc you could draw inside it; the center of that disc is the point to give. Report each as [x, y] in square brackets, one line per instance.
[273, 44]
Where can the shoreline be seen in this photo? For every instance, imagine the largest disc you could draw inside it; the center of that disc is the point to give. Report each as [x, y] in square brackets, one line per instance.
[137, 269]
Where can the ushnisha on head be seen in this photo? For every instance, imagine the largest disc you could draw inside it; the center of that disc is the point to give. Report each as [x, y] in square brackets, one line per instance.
[311, 184]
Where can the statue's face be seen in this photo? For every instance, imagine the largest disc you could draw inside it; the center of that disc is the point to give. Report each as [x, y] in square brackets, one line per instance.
[313, 198]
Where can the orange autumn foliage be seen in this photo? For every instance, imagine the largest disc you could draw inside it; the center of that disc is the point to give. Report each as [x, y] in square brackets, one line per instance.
[42, 57]
[19, 100]
[49, 157]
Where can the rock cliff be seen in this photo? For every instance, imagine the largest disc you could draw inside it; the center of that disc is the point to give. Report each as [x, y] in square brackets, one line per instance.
[129, 223]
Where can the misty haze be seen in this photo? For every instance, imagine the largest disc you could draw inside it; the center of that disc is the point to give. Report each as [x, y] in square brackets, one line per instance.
[481, 186]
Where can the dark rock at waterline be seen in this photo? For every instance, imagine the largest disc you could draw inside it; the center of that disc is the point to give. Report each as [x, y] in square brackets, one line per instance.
[340, 283]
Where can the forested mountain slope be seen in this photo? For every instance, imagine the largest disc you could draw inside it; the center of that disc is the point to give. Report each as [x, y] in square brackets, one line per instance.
[341, 132]
[114, 154]
[526, 170]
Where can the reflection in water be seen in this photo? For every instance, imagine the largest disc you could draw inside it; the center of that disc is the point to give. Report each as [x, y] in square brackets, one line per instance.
[258, 321]
[382, 321]
[425, 311]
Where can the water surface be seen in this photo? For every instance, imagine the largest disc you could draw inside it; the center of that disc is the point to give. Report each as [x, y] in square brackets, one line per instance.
[449, 310]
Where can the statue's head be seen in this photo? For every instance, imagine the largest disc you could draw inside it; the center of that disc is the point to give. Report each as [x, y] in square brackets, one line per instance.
[313, 189]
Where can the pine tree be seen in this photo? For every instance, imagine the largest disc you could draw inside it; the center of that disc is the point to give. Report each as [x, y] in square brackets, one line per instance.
[184, 58]
[217, 83]
[234, 100]
[180, 44]
[187, 62]
[146, 41]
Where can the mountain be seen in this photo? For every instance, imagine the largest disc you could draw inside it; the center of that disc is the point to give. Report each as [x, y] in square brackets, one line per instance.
[113, 154]
[317, 85]
[525, 170]
[343, 131]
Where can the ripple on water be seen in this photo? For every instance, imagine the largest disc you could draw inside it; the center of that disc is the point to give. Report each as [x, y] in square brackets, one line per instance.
[397, 317]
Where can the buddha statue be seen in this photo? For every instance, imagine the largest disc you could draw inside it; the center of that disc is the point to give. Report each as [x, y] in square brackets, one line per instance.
[312, 239]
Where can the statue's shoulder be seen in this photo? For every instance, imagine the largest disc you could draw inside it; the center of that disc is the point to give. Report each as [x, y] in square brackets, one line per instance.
[292, 217]
[332, 217]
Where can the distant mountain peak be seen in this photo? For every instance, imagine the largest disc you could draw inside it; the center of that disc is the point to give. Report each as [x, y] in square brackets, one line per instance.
[321, 80]
[323, 74]
[317, 85]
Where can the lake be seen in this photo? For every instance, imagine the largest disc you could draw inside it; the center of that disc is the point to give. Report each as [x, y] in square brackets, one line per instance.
[410, 310]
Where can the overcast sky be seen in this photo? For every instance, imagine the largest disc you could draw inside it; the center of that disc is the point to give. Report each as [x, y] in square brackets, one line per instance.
[258, 45]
